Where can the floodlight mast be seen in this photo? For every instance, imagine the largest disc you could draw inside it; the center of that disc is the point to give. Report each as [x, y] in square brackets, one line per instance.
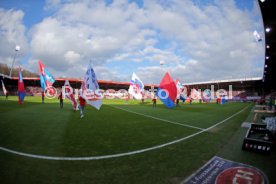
[161, 64]
[17, 48]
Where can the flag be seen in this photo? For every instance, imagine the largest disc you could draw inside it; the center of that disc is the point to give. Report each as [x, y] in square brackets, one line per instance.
[3, 87]
[257, 36]
[136, 87]
[167, 91]
[46, 78]
[90, 90]
[21, 88]
[180, 91]
[179, 88]
[222, 101]
[207, 95]
[68, 93]
[182, 98]
[195, 94]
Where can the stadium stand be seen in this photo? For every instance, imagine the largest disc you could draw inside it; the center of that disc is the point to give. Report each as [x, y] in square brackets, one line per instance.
[32, 85]
[240, 88]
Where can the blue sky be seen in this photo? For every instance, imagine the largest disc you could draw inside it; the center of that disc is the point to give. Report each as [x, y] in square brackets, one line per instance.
[32, 15]
[198, 40]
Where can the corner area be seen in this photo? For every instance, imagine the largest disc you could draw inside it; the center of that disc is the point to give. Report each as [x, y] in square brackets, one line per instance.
[233, 151]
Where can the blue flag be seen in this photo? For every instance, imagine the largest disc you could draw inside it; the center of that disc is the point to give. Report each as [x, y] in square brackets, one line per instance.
[46, 78]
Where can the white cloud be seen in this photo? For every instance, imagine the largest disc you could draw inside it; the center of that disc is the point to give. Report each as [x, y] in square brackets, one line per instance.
[105, 73]
[77, 27]
[52, 4]
[12, 33]
[72, 57]
[219, 37]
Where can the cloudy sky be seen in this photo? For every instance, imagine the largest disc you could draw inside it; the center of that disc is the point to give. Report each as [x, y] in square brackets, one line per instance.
[198, 40]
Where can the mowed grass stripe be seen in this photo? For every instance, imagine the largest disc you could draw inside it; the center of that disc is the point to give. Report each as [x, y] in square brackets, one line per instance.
[197, 115]
[164, 120]
[46, 129]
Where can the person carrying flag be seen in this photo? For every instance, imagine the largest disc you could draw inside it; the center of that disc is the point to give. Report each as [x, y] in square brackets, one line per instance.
[7, 95]
[82, 104]
[143, 99]
[42, 96]
[154, 102]
[191, 100]
[60, 97]
[177, 102]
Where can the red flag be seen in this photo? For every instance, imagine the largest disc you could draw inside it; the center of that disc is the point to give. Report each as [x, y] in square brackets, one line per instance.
[21, 88]
[167, 91]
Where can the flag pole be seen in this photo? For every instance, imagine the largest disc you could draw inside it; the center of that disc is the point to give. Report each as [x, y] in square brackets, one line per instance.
[17, 48]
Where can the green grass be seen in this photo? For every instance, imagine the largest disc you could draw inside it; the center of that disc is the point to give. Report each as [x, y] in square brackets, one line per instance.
[45, 129]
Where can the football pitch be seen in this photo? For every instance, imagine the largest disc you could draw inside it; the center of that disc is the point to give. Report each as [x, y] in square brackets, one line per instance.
[124, 142]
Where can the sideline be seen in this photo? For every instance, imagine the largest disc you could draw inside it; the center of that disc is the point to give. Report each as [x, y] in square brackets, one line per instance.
[120, 154]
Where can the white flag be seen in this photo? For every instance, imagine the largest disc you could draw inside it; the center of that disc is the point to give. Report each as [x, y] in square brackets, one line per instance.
[257, 36]
[4, 89]
[90, 89]
[195, 94]
[136, 87]
[68, 93]
[179, 87]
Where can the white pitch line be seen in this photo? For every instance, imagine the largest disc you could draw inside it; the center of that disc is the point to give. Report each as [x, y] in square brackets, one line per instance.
[160, 119]
[119, 154]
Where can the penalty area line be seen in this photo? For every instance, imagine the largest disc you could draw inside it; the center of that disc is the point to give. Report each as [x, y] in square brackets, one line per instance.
[119, 154]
